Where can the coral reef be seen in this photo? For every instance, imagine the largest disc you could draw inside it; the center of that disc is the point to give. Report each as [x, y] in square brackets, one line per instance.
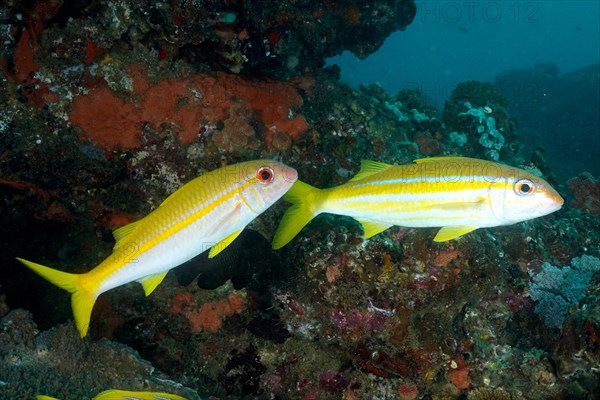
[477, 115]
[182, 106]
[586, 191]
[253, 38]
[109, 107]
[54, 361]
[558, 290]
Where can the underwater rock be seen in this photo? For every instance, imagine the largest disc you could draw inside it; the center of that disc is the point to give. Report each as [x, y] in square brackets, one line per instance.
[479, 111]
[492, 394]
[237, 133]
[269, 329]
[91, 140]
[184, 103]
[244, 367]
[58, 362]
[207, 317]
[586, 191]
[268, 38]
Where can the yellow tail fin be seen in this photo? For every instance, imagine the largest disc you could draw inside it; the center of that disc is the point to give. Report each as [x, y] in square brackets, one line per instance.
[305, 199]
[82, 300]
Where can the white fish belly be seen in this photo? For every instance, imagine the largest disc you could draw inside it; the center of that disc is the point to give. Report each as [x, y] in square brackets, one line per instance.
[417, 211]
[171, 252]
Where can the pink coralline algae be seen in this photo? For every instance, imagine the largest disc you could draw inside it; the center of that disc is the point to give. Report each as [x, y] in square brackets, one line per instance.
[352, 320]
[333, 382]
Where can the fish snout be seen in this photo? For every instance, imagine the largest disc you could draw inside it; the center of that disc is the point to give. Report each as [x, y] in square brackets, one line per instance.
[555, 197]
[553, 200]
[289, 174]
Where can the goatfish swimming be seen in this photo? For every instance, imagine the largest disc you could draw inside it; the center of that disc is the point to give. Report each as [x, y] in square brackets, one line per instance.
[458, 194]
[208, 212]
[125, 395]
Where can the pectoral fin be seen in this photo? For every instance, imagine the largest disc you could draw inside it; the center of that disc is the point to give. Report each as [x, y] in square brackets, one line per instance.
[217, 248]
[459, 208]
[452, 232]
[151, 282]
[372, 228]
[232, 217]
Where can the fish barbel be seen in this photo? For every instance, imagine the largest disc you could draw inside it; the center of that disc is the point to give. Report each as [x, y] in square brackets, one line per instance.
[458, 194]
[208, 212]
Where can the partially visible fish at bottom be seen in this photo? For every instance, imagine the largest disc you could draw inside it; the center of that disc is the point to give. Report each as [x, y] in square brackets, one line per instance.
[125, 395]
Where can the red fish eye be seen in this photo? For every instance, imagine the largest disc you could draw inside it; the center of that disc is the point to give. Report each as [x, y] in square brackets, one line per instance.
[265, 175]
[524, 187]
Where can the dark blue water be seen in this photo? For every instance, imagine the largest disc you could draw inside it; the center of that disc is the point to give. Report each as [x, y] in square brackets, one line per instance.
[554, 45]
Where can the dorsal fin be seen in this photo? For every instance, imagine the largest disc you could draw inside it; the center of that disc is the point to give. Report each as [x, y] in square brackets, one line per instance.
[170, 197]
[122, 232]
[368, 167]
[441, 158]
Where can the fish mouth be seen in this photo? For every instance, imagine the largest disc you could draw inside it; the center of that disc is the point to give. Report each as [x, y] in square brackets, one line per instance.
[290, 175]
[554, 202]
[556, 199]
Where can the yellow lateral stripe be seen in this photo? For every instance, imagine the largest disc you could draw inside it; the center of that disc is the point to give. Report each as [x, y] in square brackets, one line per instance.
[202, 212]
[412, 199]
[423, 193]
[108, 267]
[421, 187]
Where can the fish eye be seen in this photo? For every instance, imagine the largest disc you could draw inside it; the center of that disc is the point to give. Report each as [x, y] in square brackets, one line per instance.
[524, 187]
[265, 175]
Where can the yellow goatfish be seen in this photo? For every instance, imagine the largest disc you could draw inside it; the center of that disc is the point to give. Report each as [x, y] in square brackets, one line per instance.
[458, 194]
[125, 395]
[207, 212]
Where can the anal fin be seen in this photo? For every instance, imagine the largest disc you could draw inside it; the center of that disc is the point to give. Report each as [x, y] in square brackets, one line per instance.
[152, 281]
[452, 232]
[372, 228]
[217, 248]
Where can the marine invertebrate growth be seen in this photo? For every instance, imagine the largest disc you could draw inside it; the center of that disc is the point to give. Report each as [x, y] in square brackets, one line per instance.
[186, 104]
[558, 289]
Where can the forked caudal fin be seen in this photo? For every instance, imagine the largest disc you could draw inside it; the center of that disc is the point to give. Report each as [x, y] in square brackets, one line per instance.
[304, 199]
[82, 301]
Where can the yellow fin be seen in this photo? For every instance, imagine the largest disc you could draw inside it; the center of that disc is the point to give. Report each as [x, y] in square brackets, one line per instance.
[82, 300]
[368, 167]
[372, 228]
[122, 232]
[219, 247]
[44, 397]
[452, 232]
[152, 281]
[443, 158]
[305, 203]
[129, 395]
